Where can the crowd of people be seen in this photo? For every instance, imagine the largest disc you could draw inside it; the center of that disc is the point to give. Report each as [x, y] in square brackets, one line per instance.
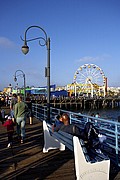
[19, 112]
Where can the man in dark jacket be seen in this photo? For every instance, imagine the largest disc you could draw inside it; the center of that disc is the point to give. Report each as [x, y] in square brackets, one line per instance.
[70, 128]
[89, 134]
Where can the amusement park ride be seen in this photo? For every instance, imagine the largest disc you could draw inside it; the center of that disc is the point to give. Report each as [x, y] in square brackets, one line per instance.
[89, 80]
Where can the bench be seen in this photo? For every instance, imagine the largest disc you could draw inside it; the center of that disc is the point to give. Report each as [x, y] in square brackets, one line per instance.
[84, 167]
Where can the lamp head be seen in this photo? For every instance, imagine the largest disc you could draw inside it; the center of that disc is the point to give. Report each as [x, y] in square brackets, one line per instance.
[15, 79]
[25, 49]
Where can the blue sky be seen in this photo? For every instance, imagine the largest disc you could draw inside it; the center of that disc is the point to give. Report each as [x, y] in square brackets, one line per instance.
[81, 32]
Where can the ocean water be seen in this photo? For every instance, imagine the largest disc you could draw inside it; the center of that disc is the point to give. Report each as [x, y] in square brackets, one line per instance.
[110, 114]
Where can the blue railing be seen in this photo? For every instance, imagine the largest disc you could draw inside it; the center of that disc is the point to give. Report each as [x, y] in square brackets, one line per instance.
[106, 127]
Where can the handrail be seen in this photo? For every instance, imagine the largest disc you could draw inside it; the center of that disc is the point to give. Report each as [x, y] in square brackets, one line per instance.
[108, 127]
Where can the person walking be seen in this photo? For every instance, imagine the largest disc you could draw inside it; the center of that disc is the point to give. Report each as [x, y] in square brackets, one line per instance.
[12, 106]
[10, 129]
[21, 110]
[2, 115]
[29, 104]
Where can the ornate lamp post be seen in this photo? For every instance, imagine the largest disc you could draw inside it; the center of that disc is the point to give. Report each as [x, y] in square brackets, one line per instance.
[15, 79]
[25, 50]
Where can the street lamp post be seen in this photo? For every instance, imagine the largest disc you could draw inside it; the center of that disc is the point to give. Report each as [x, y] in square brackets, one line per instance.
[15, 79]
[25, 50]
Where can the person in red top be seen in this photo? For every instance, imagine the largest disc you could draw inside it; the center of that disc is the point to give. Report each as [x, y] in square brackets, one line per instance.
[10, 129]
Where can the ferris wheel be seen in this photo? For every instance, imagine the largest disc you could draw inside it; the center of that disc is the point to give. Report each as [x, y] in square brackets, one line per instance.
[89, 74]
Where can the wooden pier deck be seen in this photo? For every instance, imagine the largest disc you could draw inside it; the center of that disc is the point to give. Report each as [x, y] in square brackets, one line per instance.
[27, 161]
